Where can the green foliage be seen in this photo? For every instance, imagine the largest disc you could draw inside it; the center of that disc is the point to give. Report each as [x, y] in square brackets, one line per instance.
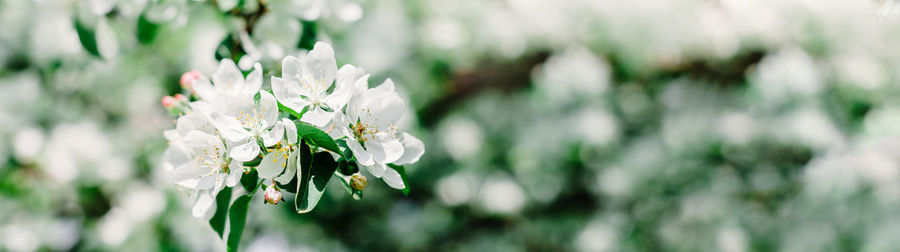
[316, 137]
[217, 222]
[308, 38]
[304, 169]
[347, 163]
[238, 219]
[402, 171]
[289, 111]
[146, 30]
[87, 37]
[229, 48]
[250, 181]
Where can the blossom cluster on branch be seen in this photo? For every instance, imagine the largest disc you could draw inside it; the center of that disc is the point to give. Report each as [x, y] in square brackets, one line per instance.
[318, 121]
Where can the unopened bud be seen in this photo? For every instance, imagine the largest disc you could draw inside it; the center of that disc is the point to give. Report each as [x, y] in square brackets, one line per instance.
[188, 78]
[273, 195]
[169, 101]
[358, 181]
[180, 98]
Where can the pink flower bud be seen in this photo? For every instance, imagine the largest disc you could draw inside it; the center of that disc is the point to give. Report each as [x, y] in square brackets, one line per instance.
[169, 101]
[188, 78]
[358, 181]
[273, 195]
[180, 98]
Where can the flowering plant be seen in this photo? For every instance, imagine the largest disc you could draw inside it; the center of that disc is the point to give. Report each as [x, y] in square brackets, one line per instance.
[317, 122]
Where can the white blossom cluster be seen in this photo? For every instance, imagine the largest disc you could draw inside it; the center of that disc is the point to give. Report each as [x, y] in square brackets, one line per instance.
[233, 121]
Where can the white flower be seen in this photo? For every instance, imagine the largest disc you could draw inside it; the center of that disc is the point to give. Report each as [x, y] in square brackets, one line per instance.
[305, 82]
[282, 156]
[198, 118]
[413, 149]
[231, 89]
[370, 126]
[247, 123]
[200, 163]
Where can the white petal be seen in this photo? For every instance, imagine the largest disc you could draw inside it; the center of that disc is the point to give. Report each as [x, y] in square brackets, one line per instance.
[317, 117]
[386, 86]
[320, 62]
[204, 203]
[347, 76]
[288, 94]
[228, 77]
[274, 135]
[171, 135]
[290, 67]
[253, 82]
[235, 171]
[230, 128]
[386, 111]
[273, 164]
[176, 156]
[204, 89]
[385, 148]
[341, 127]
[245, 152]
[290, 129]
[196, 140]
[363, 157]
[269, 109]
[393, 179]
[376, 169]
[413, 148]
[289, 170]
[189, 175]
[203, 108]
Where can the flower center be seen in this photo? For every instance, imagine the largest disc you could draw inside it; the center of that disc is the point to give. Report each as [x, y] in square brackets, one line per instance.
[252, 119]
[363, 132]
[315, 87]
[281, 151]
[213, 158]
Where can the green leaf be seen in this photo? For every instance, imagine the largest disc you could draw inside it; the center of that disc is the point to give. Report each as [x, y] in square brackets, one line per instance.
[304, 173]
[217, 222]
[229, 49]
[308, 38]
[316, 137]
[146, 30]
[290, 111]
[250, 181]
[253, 163]
[402, 171]
[87, 37]
[238, 217]
[346, 164]
[315, 172]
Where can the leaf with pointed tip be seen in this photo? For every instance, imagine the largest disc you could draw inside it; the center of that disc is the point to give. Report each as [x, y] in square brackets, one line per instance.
[217, 222]
[253, 163]
[88, 38]
[402, 171]
[290, 111]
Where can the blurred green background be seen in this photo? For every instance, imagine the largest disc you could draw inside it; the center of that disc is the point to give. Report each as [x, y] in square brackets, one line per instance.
[575, 125]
